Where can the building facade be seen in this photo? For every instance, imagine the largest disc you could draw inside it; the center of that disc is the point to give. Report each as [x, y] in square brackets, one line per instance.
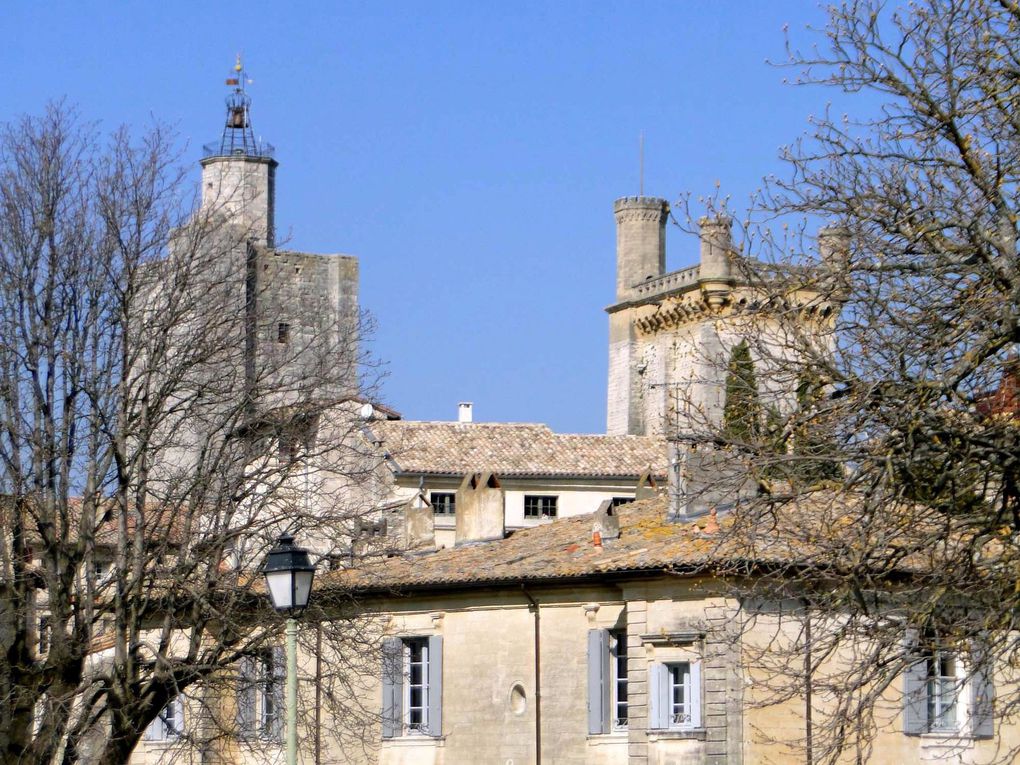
[671, 334]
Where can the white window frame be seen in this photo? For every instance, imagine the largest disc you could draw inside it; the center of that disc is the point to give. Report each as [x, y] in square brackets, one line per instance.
[261, 676]
[413, 727]
[400, 655]
[944, 691]
[168, 726]
[679, 675]
[618, 681]
[664, 675]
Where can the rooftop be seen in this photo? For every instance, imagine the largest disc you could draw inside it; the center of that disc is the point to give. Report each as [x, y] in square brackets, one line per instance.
[816, 533]
[514, 449]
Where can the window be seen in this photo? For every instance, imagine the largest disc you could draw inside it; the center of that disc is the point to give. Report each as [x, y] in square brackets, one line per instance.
[260, 695]
[607, 681]
[44, 634]
[283, 332]
[412, 676]
[443, 502]
[942, 686]
[287, 449]
[168, 723]
[679, 695]
[940, 696]
[618, 677]
[675, 695]
[539, 506]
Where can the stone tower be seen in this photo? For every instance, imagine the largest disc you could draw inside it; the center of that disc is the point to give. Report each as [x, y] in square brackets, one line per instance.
[670, 334]
[239, 173]
[270, 328]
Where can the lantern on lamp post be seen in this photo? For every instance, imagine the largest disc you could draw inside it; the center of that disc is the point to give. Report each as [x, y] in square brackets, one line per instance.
[289, 573]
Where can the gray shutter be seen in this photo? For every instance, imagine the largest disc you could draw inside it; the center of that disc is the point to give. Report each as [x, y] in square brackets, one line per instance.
[392, 686]
[915, 689]
[246, 690]
[695, 694]
[982, 693]
[598, 681]
[658, 693]
[435, 681]
[277, 684]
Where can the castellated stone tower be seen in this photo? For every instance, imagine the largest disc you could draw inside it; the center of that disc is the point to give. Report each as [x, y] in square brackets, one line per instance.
[670, 334]
[271, 330]
[296, 304]
[640, 242]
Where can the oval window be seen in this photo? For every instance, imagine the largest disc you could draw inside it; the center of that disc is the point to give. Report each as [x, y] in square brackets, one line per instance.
[518, 699]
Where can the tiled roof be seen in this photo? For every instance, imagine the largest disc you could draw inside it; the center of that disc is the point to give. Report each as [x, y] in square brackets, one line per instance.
[514, 449]
[563, 549]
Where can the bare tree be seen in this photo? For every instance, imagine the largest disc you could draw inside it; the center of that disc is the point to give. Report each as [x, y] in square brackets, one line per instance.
[153, 444]
[892, 472]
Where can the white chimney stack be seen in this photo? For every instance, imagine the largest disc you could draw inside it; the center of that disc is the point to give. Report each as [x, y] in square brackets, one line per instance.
[464, 411]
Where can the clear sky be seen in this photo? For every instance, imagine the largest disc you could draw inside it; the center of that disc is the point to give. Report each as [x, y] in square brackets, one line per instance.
[469, 153]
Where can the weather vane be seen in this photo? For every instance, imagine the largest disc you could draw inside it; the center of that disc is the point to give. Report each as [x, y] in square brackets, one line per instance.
[238, 137]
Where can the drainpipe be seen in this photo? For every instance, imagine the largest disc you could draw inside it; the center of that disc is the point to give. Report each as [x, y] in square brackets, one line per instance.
[538, 676]
[318, 693]
[808, 670]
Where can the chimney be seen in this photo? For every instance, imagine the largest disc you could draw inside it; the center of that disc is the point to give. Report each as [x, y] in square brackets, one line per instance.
[480, 509]
[419, 523]
[716, 272]
[606, 522]
[640, 242]
[646, 486]
[464, 413]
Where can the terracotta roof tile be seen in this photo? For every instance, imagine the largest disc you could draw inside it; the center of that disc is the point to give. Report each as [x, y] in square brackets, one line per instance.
[818, 533]
[515, 449]
[562, 548]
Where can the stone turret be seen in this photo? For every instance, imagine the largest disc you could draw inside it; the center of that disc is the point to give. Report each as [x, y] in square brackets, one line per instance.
[239, 172]
[242, 188]
[716, 271]
[640, 241]
[834, 253]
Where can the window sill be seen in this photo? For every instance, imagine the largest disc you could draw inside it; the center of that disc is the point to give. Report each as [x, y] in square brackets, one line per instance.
[414, 740]
[615, 738]
[697, 734]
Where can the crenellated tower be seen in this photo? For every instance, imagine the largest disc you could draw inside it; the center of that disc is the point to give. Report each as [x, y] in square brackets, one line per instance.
[671, 333]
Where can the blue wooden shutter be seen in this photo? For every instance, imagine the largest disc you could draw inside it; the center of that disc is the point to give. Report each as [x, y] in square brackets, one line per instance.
[982, 693]
[246, 691]
[915, 689]
[658, 696]
[392, 686]
[435, 681]
[598, 682]
[695, 694]
[277, 683]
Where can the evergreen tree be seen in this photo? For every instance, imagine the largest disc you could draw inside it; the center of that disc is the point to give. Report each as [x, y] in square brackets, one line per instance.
[742, 409]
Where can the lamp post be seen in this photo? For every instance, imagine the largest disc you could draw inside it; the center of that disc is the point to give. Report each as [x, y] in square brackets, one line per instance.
[289, 574]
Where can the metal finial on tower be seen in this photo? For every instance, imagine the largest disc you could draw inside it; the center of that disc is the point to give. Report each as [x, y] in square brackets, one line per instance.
[238, 137]
[641, 164]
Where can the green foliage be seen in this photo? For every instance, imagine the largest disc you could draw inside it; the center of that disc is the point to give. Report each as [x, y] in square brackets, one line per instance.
[813, 447]
[742, 416]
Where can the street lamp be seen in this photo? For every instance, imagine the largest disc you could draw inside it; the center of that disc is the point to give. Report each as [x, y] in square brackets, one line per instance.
[289, 574]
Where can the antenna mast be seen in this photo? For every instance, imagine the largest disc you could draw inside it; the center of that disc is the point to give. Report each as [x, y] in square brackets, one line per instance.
[641, 164]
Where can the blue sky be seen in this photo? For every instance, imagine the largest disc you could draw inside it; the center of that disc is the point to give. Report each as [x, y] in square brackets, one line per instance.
[469, 153]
